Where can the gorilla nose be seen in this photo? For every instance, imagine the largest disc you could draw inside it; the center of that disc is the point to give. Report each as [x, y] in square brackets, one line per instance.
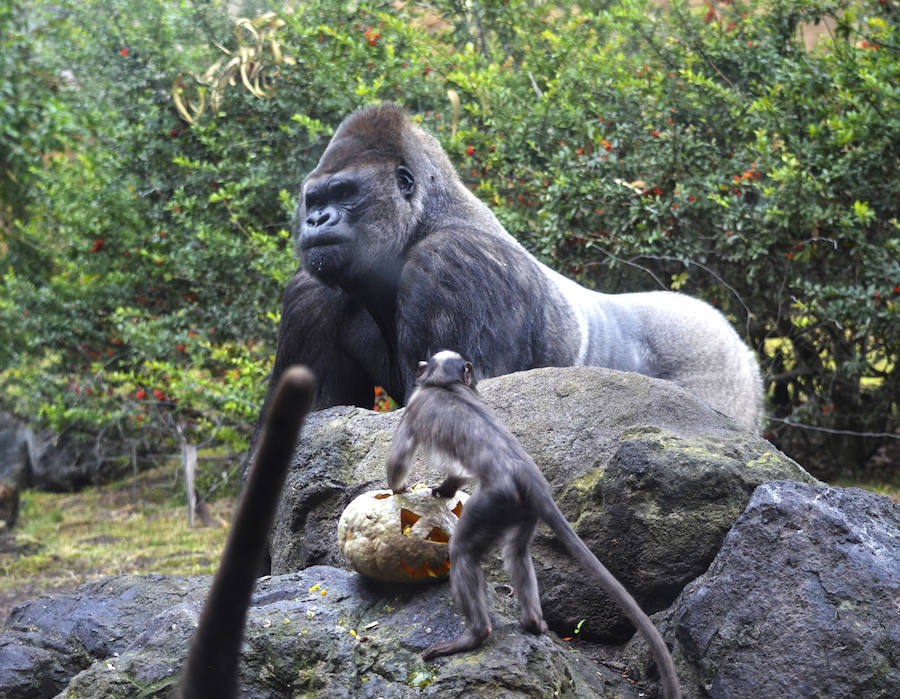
[318, 218]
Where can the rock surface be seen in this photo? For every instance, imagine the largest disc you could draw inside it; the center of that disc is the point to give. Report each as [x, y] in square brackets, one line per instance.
[803, 600]
[650, 477]
[320, 632]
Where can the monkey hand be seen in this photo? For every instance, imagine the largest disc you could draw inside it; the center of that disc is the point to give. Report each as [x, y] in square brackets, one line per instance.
[404, 488]
[439, 491]
[448, 488]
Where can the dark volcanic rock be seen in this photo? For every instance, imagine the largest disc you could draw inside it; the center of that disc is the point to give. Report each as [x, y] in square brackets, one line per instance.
[320, 632]
[48, 640]
[803, 600]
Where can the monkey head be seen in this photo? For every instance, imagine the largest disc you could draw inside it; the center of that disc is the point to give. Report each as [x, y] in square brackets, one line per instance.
[444, 369]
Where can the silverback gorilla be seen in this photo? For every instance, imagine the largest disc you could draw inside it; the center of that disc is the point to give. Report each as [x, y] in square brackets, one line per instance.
[401, 260]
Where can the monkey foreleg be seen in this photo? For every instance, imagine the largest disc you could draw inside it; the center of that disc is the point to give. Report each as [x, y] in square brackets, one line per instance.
[397, 468]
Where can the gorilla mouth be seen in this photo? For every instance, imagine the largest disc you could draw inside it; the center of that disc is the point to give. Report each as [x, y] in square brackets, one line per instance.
[319, 239]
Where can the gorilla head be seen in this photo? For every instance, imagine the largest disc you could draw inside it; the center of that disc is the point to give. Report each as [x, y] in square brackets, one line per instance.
[364, 203]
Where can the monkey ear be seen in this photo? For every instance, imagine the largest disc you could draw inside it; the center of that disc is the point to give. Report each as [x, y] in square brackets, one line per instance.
[421, 369]
[469, 375]
[405, 181]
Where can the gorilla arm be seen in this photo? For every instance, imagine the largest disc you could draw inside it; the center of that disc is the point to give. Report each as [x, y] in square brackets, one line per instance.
[325, 329]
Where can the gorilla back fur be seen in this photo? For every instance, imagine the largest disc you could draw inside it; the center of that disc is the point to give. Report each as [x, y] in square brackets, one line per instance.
[400, 260]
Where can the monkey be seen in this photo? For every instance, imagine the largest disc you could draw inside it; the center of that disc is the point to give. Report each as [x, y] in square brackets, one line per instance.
[446, 415]
[211, 668]
[399, 259]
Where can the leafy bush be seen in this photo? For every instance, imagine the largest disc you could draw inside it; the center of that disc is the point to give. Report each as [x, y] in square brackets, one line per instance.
[711, 151]
[142, 316]
[702, 150]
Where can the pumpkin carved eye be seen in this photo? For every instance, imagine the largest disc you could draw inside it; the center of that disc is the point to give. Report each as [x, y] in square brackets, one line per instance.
[437, 536]
[407, 519]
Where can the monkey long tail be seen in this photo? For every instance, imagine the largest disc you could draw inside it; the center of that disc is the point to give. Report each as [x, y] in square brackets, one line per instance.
[561, 527]
[211, 667]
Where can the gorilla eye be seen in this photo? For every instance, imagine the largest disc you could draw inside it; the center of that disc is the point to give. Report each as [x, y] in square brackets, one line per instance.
[342, 190]
[405, 181]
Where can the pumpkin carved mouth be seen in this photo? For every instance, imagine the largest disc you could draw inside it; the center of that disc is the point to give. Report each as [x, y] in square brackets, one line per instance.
[438, 536]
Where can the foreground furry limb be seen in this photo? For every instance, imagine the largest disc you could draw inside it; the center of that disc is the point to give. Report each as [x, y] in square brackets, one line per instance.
[211, 669]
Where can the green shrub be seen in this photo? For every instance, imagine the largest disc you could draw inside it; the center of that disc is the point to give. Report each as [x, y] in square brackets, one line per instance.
[702, 150]
[710, 151]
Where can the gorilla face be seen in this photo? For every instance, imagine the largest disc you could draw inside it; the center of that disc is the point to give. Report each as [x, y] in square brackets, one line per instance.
[329, 224]
[354, 217]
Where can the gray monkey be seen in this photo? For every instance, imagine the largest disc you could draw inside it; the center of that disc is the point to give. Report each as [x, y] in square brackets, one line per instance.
[446, 415]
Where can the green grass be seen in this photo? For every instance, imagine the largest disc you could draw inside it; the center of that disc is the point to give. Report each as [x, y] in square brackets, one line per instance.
[62, 539]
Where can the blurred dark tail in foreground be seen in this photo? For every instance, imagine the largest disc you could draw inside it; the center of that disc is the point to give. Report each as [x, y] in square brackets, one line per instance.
[211, 669]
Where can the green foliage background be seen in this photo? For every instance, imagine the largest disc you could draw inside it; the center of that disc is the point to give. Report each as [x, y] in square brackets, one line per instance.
[701, 149]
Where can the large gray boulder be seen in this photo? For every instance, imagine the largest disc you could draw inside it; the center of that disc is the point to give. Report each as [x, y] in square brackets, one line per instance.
[650, 477]
[47, 641]
[47, 461]
[319, 632]
[803, 600]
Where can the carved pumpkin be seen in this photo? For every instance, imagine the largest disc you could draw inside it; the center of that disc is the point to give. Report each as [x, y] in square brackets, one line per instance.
[399, 538]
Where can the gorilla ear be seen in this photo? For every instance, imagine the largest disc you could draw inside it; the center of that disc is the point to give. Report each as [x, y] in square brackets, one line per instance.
[405, 181]
[421, 369]
[469, 376]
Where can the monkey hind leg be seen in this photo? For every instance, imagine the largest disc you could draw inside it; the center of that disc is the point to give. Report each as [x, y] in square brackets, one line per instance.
[470, 639]
[469, 591]
[520, 569]
[476, 533]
